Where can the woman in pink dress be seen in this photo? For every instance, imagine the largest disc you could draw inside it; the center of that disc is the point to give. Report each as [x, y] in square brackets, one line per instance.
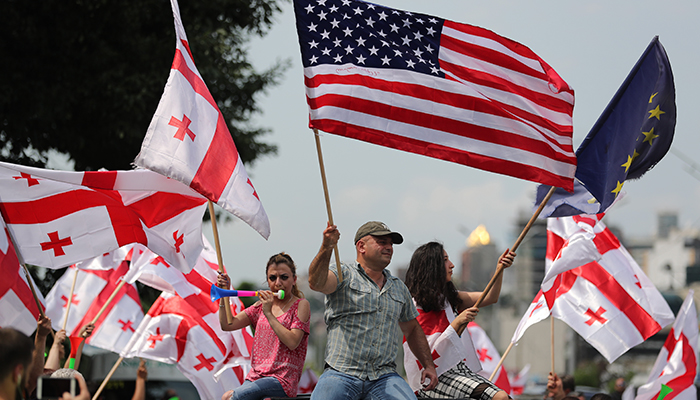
[281, 334]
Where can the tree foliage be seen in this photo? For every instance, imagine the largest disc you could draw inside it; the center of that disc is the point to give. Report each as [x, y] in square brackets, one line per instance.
[84, 77]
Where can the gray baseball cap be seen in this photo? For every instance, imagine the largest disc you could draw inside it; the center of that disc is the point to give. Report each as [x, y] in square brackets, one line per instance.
[376, 228]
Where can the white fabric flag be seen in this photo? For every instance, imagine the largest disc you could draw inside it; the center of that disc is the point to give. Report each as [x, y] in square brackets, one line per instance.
[536, 312]
[59, 218]
[188, 140]
[185, 330]
[677, 363]
[446, 346]
[605, 297]
[114, 327]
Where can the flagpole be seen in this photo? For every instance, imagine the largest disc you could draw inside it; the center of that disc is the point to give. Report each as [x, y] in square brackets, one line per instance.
[107, 378]
[500, 362]
[328, 199]
[28, 276]
[220, 259]
[500, 268]
[109, 300]
[551, 345]
[70, 298]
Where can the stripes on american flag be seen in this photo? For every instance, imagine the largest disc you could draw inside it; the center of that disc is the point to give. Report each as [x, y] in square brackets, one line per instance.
[443, 89]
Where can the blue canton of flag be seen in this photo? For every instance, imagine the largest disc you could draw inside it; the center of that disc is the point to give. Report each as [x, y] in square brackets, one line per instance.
[367, 35]
[634, 132]
[435, 87]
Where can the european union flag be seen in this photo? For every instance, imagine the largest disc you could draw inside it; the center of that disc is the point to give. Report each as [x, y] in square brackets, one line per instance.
[634, 132]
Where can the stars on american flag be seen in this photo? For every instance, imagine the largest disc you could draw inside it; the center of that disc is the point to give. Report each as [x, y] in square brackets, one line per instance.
[354, 32]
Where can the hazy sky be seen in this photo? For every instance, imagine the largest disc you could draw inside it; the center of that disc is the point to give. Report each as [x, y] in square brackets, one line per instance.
[591, 44]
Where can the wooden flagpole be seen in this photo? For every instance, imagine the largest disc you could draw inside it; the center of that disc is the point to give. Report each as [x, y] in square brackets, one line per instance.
[70, 298]
[500, 362]
[220, 259]
[107, 378]
[551, 318]
[500, 268]
[27, 274]
[29, 278]
[328, 199]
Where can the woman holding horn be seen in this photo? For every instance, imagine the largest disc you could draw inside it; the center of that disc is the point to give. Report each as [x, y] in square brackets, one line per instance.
[281, 334]
[444, 315]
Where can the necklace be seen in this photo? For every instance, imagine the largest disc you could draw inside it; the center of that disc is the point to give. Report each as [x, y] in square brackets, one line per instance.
[282, 308]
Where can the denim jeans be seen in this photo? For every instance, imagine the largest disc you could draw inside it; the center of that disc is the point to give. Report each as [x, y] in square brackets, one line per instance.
[339, 386]
[259, 389]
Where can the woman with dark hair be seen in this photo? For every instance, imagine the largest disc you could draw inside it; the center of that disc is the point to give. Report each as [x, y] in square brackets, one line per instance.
[444, 315]
[281, 333]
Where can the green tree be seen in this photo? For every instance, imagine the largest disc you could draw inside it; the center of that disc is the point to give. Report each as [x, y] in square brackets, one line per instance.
[84, 77]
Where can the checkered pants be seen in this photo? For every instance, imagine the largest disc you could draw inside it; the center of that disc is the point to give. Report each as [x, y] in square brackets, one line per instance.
[461, 382]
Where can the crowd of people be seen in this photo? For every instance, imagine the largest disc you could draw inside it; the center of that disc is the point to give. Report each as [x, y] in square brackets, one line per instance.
[367, 312]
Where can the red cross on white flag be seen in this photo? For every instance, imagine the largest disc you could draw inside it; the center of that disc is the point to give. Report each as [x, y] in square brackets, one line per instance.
[182, 326]
[446, 346]
[677, 363]
[67, 217]
[188, 140]
[622, 308]
[115, 325]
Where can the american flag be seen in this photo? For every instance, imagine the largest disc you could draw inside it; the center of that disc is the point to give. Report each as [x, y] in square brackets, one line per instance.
[443, 89]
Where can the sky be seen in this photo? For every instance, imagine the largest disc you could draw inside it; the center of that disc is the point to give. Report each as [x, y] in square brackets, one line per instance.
[592, 44]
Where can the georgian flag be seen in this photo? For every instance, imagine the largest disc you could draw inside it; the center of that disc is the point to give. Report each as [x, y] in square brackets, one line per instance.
[59, 218]
[677, 363]
[188, 140]
[18, 308]
[93, 288]
[185, 330]
[594, 285]
[447, 348]
[536, 312]
[488, 357]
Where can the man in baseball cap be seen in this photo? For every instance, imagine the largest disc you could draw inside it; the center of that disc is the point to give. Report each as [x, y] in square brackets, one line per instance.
[367, 313]
[376, 228]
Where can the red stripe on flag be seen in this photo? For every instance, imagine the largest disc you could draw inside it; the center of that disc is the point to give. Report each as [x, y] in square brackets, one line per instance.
[554, 245]
[222, 156]
[679, 384]
[112, 281]
[12, 280]
[126, 220]
[496, 165]
[452, 126]
[462, 101]
[432, 322]
[612, 290]
[606, 241]
[507, 63]
[100, 179]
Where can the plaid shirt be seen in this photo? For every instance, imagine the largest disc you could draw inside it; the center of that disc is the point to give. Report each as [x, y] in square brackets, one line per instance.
[363, 331]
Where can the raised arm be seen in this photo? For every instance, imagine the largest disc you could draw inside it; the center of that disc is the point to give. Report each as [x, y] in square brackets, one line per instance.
[321, 279]
[415, 337]
[470, 298]
[57, 352]
[43, 328]
[240, 320]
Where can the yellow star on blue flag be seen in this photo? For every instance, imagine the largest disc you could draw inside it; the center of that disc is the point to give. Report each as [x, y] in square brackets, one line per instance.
[634, 132]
